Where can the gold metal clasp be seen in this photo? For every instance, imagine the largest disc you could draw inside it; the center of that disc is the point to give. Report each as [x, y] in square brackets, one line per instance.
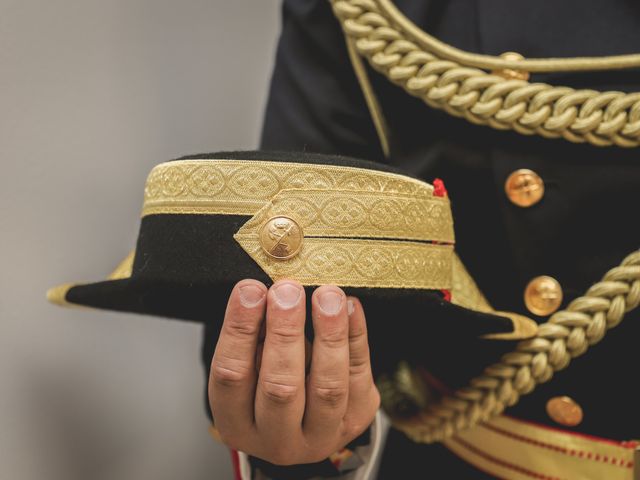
[510, 73]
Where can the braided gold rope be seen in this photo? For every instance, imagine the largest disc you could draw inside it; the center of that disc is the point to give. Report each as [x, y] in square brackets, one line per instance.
[599, 118]
[566, 335]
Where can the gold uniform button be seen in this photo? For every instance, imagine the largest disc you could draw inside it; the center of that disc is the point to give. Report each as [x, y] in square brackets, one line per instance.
[281, 237]
[524, 187]
[543, 295]
[565, 411]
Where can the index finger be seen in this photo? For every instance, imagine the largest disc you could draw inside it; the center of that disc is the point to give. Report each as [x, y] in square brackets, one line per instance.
[233, 374]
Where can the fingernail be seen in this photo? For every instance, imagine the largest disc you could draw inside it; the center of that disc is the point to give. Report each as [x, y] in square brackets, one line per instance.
[330, 301]
[350, 307]
[287, 295]
[250, 295]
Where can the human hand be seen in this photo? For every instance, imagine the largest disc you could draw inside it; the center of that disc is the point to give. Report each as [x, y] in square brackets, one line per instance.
[264, 401]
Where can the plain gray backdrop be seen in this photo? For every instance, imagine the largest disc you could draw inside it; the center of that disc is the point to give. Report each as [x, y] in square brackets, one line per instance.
[93, 93]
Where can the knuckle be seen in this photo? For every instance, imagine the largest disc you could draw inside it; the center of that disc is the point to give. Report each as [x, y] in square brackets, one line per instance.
[285, 334]
[227, 375]
[280, 393]
[239, 327]
[331, 394]
[334, 338]
[359, 367]
[358, 334]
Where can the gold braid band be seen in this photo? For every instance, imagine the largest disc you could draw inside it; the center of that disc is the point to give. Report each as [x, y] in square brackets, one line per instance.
[449, 79]
[566, 335]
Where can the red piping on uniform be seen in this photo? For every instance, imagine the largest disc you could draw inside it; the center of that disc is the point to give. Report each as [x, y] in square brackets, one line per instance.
[623, 444]
[555, 448]
[502, 463]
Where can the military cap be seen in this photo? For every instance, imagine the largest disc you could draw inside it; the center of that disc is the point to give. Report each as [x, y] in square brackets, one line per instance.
[211, 220]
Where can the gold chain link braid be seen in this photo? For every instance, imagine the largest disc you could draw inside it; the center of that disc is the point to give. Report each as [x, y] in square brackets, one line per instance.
[566, 335]
[599, 118]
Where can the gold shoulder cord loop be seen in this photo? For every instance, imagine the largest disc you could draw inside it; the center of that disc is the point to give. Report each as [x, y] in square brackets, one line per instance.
[483, 98]
[567, 334]
[489, 62]
[461, 83]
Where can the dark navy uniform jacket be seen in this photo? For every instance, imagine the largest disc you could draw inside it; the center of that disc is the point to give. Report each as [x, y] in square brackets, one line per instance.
[586, 223]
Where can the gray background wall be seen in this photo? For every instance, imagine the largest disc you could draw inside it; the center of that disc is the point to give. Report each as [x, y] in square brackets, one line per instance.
[93, 93]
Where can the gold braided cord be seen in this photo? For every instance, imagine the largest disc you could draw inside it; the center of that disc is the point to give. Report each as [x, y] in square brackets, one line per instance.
[425, 69]
[567, 334]
[490, 62]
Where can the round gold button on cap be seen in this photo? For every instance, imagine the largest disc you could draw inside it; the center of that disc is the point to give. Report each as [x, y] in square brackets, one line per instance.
[565, 411]
[543, 295]
[281, 237]
[524, 187]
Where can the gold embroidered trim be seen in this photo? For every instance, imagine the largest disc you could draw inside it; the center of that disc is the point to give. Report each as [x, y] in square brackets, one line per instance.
[356, 214]
[439, 75]
[124, 268]
[241, 187]
[358, 263]
[331, 219]
[509, 448]
[465, 292]
[58, 294]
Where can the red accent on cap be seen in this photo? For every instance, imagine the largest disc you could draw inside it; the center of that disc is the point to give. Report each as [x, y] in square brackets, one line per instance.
[439, 190]
[447, 295]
